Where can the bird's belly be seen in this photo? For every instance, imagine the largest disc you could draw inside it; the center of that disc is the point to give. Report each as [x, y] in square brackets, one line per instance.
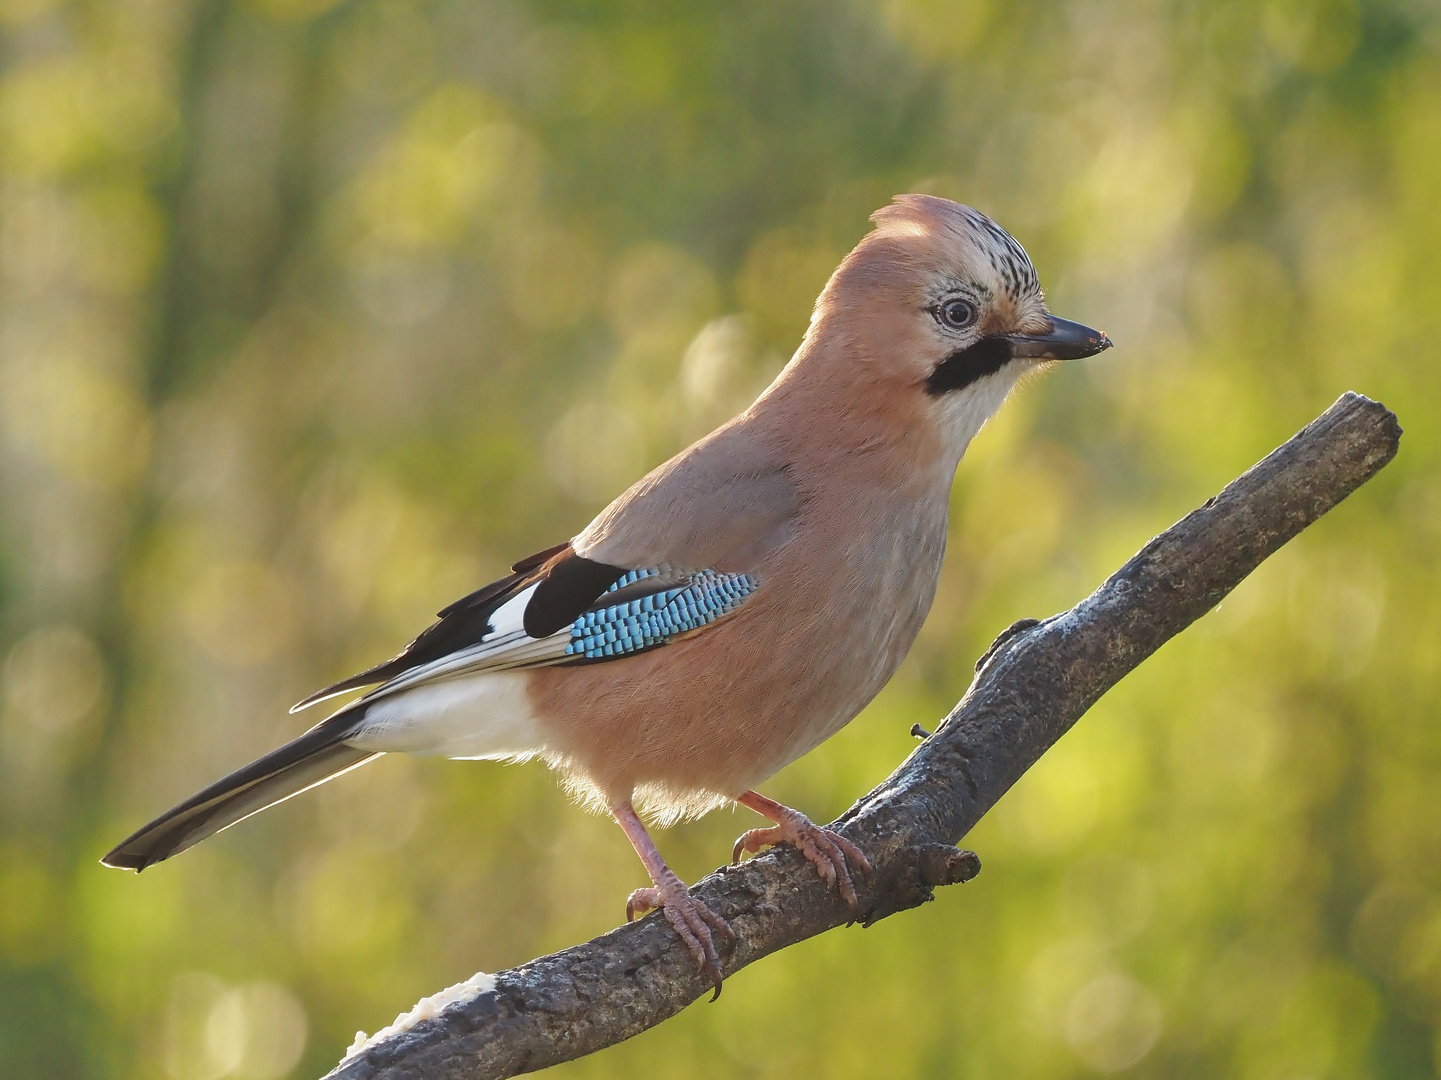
[478, 716]
[850, 684]
[722, 711]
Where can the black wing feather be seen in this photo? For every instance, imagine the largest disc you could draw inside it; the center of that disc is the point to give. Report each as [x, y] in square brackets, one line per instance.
[569, 584]
[301, 763]
[567, 592]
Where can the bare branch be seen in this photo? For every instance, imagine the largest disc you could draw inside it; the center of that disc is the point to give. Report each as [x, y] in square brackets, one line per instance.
[1032, 685]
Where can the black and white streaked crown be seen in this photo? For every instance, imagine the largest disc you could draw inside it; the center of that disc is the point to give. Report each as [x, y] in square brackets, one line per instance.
[1010, 261]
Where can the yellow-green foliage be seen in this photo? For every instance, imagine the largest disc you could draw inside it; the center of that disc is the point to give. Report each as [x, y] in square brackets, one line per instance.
[309, 311]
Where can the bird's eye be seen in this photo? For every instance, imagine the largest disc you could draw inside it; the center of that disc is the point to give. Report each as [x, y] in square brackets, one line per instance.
[956, 314]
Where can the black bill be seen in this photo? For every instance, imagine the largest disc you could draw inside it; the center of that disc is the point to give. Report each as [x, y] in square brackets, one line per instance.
[1066, 341]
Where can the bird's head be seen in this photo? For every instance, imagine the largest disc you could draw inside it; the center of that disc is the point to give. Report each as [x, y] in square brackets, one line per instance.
[939, 311]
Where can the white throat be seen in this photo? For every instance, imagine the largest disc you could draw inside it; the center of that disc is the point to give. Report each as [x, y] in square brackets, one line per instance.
[964, 412]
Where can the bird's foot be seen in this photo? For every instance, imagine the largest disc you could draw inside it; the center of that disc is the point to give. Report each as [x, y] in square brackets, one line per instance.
[697, 925]
[827, 849]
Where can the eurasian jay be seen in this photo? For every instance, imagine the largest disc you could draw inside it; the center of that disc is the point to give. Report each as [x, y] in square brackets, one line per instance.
[737, 605]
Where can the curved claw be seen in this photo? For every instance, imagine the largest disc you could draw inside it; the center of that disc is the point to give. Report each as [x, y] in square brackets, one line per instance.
[716, 979]
[740, 845]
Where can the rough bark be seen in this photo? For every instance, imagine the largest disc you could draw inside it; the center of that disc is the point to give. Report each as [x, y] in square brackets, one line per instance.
[1034, 683]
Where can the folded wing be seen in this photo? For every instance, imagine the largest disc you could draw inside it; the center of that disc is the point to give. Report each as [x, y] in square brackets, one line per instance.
[565, 610]
[554, 608]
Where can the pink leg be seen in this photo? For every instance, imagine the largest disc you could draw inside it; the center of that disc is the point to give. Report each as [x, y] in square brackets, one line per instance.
[828, 850]
[696, 924]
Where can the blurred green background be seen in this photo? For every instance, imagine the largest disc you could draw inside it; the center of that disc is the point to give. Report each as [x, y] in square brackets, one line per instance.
[305, 306]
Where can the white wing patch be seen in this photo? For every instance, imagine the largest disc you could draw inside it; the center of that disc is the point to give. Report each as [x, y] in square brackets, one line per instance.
[509, 618]
[506, 646]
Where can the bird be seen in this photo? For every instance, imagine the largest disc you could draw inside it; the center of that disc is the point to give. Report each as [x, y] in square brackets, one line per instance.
[737, 605]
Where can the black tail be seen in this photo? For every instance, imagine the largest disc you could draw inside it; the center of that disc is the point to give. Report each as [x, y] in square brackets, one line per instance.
[302, 763]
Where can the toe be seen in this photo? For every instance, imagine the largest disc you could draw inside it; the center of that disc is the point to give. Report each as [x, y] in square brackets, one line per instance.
[854, 855]
[847, 888]
[700, 948]
[753, 840]
[816, 847]
[716, 923]
[692, 926]
[818, 852]
[839, 874]
[641, 901]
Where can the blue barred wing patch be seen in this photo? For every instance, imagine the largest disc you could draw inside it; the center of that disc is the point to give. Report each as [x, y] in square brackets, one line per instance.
[630, 577]
[653, 619]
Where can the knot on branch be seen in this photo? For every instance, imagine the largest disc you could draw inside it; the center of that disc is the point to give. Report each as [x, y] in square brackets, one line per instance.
[915, 874]
[942, 864]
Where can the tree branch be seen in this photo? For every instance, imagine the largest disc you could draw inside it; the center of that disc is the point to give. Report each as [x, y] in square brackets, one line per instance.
[1031, 686]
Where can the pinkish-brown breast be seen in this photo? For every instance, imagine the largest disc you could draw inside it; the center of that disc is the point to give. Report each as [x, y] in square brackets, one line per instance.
[685, 727]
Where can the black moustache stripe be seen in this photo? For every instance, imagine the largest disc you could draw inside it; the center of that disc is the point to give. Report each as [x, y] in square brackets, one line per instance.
[961, 368]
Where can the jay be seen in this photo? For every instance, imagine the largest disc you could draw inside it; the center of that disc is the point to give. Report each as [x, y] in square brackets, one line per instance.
[736, 606]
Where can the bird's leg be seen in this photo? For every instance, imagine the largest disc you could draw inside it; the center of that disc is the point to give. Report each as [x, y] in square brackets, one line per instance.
[828, 849]
[696, 924]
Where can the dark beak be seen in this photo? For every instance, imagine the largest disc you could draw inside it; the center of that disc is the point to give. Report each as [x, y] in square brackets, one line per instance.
[1066, 341]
